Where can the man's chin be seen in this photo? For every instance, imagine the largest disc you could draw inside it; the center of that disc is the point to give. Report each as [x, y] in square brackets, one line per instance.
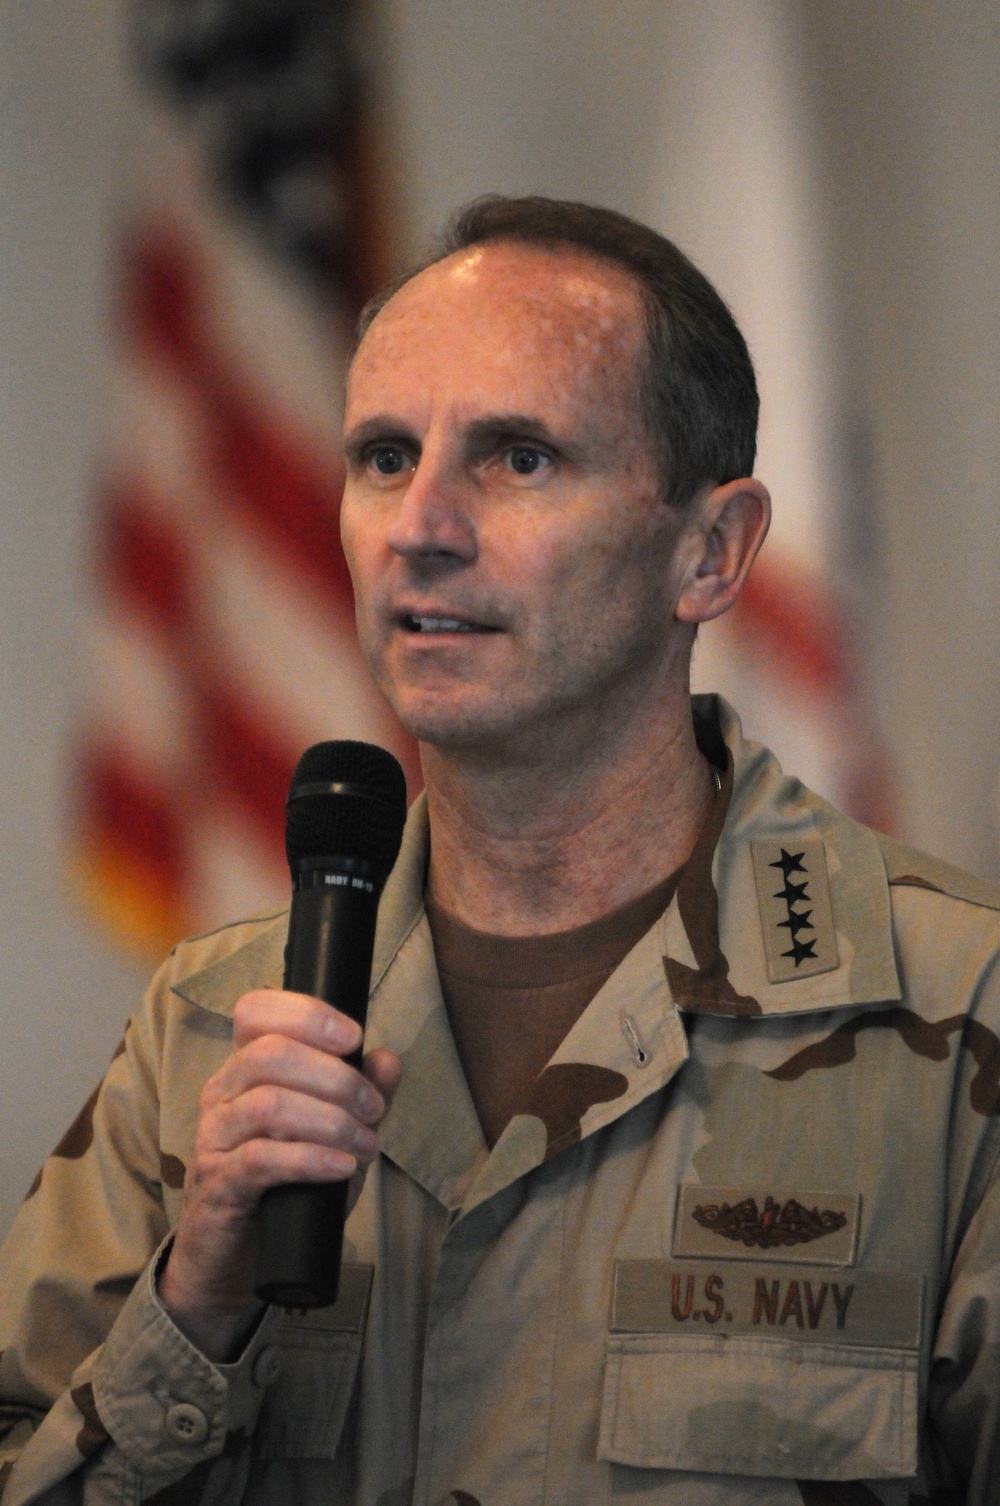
[448, 724]
[454, 730]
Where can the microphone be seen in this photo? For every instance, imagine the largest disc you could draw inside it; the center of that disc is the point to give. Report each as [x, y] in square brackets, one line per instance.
[345, 815]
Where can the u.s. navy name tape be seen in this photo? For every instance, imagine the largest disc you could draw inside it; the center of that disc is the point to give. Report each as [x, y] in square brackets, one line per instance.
[879, 1309]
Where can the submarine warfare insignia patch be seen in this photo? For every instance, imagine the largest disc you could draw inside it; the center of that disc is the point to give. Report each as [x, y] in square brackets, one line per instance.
[748, 1223]
[796, 917]
[775, 1224]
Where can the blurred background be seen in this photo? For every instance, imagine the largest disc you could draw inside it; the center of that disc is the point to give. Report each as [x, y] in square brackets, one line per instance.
[195, 198]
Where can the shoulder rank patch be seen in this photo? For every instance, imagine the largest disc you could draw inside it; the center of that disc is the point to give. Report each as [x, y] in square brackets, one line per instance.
[793, 894]
[765, 1223]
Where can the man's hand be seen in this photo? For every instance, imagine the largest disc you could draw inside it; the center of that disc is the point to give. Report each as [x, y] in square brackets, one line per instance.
[284, 1108]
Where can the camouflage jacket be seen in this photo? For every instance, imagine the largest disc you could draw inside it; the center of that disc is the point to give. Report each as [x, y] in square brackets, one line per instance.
[743, 1245]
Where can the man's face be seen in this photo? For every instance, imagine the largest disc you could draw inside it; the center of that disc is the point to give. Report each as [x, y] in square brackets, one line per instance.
[511, 557]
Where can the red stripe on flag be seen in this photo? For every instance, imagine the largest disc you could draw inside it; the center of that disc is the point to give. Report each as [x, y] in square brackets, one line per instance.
[258, 467]
[791, 618]
[239, 758]
[144, 561]
[247, 760]
[121, 804]
[146, 565]
[131, 853]
[247, 765]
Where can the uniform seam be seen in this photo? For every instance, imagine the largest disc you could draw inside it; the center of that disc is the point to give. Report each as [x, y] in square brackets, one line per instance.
[935, 892]
[955, 1108]
[377, 984]
[888, 846]
[230, 925]
[430, 1378]
[950, 1255]
[556, 1330]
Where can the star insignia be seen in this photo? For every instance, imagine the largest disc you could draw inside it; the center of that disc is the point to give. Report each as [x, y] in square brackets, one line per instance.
[789, 862]
[797, 922]
[798, 931]
[800, 950]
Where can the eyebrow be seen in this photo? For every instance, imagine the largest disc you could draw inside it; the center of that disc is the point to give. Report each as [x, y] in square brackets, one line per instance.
[487, 434]
[383, 428]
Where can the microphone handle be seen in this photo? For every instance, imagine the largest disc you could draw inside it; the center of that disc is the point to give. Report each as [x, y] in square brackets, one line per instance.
[331, 937]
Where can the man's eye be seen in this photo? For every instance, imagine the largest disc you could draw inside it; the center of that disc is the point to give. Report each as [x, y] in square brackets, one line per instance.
[525, 460]
[387, 460]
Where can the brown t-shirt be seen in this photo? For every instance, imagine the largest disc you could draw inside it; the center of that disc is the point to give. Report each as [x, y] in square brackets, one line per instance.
[511, 1000]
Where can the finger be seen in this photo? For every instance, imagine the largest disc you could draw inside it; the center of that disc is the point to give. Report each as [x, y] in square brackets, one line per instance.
[273, 1113]
[269, 1011]
[383, 1069]
[235, 1180]
[273, 1163]
[356, 1186]
[287, 1063]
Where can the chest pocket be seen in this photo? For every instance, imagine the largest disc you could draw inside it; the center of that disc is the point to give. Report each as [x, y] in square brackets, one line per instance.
[804, 1377]
[759, 1407]
[304, 1411]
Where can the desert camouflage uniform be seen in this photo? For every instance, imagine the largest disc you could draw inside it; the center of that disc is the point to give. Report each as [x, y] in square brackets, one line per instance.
[743, 1245]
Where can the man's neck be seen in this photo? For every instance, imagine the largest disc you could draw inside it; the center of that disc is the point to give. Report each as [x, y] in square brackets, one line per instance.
[532, 847]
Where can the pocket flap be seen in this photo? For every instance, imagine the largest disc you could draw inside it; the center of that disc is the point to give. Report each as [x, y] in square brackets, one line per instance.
[303, 1413]
[763, 1407]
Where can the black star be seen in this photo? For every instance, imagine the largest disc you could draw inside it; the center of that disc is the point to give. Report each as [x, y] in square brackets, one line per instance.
[789, 862]
[792, 893]
[796, 923]
[800, 950]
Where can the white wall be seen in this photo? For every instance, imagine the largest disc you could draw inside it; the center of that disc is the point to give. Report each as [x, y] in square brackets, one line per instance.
[558, 96]
[911, 119]
[64, 996]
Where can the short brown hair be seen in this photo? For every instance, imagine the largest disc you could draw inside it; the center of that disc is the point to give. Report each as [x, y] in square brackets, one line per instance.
[697, 387]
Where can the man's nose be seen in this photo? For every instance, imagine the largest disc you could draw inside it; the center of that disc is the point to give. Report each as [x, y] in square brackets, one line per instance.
[434, 520]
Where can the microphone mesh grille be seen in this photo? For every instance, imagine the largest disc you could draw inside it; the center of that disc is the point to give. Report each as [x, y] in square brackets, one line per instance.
[366, 826]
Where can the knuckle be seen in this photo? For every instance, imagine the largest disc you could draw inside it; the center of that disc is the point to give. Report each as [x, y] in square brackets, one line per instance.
[334, 1021]
[268, 1052]
[210, 1094]
[252, 1012]
[366, 1102]
[245, 1012]
[265, 1105]
[254, 1161]
[200, 1149]
[340, 1128]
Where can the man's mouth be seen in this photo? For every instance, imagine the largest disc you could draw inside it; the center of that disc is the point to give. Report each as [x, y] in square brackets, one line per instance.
[415, 624]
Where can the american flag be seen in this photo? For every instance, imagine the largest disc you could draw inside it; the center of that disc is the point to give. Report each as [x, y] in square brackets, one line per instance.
[222, 619]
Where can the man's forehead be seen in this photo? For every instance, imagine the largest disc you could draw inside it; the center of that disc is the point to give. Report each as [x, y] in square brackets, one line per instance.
[555, 332]
[551, 337]
[554, 284]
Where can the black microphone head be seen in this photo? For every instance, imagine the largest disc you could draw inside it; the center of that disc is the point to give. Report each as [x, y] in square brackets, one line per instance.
[346, 800]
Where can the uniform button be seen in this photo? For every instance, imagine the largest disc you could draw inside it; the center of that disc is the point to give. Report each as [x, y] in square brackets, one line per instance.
[267, 1366]
[185, 1423]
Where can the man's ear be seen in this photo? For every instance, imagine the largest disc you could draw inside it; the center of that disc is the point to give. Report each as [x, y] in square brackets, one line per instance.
[728, 527]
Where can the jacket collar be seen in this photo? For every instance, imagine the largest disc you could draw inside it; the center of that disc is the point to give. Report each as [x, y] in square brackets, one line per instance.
[707, 954]
[719, 931]
[260, 961]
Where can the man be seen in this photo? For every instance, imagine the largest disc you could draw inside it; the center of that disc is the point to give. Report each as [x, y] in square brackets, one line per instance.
[679, 1113]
